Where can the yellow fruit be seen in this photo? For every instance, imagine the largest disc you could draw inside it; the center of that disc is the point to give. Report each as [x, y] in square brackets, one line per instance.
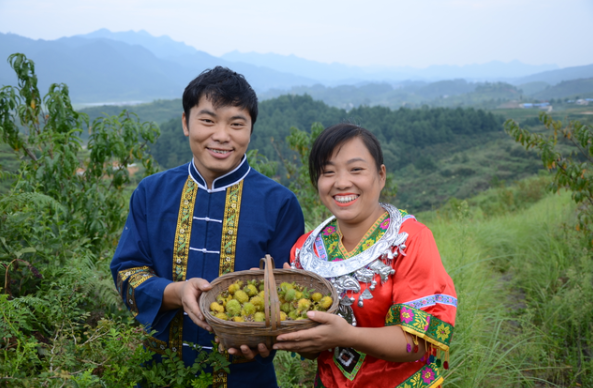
[262, 294]
[303, 305]
[232, 288]
[298, 295]
[258, 302]
[316, 296]
[260, 317]
[222, 316]
[214, 306]
[326, 302]
[241, 296]
[238, 319]
[283, 316]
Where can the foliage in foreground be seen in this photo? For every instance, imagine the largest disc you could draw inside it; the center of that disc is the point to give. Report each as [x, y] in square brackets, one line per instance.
[61, 322]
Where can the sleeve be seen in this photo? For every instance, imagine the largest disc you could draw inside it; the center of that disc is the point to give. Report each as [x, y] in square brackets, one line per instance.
[424, 297]
[133, 269]
[290, 225]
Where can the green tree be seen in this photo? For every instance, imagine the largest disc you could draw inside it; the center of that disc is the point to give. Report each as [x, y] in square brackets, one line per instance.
[573, 170]
[61, 320]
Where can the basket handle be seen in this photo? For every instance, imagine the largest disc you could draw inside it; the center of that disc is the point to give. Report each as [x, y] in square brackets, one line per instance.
[271, 301]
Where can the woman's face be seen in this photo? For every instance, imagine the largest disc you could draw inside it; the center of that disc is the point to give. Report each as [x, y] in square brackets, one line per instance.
[350, 185]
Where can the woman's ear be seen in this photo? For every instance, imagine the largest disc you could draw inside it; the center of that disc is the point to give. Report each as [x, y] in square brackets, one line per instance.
[383, 175]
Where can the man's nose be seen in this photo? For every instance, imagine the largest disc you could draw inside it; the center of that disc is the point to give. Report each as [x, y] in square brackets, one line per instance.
[221, 133]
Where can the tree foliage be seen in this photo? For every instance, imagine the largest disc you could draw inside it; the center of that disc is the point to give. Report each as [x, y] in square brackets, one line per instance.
[61, 320]
[573, 169]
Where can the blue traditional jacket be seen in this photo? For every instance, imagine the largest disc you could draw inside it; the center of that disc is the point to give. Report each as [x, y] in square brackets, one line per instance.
[177, 229]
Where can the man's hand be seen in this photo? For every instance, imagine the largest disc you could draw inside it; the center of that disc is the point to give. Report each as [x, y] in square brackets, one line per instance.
[185, 295]
[249, 353]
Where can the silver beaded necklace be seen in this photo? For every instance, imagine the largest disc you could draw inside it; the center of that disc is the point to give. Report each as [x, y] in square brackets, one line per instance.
[346, 275]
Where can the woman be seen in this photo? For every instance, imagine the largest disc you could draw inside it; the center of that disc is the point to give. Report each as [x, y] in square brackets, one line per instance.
[397, 303]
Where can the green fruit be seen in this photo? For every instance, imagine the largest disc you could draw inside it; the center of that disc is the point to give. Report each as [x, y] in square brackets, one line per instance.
[260, 317]
[241, 296]
[286, 286]
[233, 307]
[290, 295]
[285, 307]
[248, 309]
[293, 315]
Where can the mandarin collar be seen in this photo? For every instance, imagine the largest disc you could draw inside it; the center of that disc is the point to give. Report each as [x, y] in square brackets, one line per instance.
[222, 182]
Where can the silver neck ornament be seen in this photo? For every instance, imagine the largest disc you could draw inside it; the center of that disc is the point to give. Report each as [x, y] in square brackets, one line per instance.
[347, 275]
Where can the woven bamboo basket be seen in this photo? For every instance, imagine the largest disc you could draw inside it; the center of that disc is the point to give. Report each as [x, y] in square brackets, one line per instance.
[234, 334]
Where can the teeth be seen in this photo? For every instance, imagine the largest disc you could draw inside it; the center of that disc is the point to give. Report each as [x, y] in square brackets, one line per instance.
[345, 198]
[219, 151]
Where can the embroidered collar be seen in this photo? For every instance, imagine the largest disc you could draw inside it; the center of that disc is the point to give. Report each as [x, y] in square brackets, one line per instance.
[328, 269]
[222, 182]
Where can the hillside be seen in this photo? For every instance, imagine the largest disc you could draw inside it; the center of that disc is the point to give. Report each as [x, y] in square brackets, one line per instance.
[433, 153]
[581, 88]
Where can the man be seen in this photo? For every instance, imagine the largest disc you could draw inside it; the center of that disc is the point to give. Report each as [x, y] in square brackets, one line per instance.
[193, 223]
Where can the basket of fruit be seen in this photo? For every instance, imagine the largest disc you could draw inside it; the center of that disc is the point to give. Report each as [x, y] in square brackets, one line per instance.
[256, 306]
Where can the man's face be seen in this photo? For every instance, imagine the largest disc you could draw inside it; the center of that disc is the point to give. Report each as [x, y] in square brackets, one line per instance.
[218, 137]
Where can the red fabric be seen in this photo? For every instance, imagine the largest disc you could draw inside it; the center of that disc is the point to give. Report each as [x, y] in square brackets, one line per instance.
[418, 274]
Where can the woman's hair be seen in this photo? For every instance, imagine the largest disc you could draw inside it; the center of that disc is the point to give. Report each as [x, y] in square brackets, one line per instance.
[333, 138]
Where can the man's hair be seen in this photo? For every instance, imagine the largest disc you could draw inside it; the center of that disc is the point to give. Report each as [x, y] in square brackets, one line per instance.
[333, 138]
[223, 87]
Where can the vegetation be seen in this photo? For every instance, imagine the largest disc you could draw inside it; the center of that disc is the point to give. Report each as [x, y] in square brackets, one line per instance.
[61, 320]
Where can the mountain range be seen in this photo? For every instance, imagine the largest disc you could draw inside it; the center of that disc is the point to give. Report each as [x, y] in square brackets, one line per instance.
[110, 66]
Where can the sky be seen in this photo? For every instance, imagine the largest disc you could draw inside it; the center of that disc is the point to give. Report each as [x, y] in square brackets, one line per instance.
[416, 33]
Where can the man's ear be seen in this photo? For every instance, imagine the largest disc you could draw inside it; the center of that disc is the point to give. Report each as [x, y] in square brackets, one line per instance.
[184, 125]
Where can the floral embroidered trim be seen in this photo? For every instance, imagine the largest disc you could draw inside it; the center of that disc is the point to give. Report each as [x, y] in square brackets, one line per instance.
[135, 277]
[176, 334]
[155, 345]
[363, 244]
[230, 225]
[427, 377]
[123, 275]
[431, 300]
[183, 232]
[421, 324]
[180, 255]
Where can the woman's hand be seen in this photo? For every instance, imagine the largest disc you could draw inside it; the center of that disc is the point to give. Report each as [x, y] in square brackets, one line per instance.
[333, 331]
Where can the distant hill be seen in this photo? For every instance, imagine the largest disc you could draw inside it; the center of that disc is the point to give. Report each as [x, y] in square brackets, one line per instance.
[161, 46]
[335, 73]
[101, 69]
[556, 76]
[582, 88]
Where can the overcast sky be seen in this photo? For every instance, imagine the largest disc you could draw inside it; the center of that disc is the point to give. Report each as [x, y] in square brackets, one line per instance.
[414, 33]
